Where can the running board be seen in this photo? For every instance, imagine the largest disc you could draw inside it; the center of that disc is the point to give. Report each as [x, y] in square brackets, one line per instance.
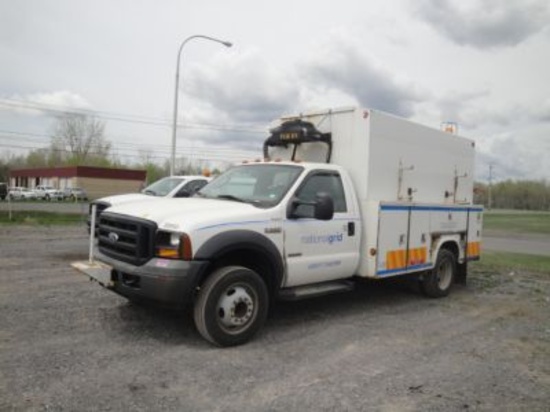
[319, 289]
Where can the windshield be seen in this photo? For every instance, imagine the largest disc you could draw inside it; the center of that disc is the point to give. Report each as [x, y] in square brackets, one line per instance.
[163, 186]
[263, 185]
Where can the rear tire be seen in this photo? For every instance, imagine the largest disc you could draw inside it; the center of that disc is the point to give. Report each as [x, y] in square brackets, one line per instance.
[437, 282]
[231, 306]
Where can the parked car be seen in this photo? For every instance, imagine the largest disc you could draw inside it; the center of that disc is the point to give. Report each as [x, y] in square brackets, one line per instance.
[21, 193]
[3, 191]
[171, 186]
[74, 193]
[48, 193]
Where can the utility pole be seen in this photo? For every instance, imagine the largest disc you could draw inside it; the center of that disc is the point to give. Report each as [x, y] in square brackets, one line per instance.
[489, 190]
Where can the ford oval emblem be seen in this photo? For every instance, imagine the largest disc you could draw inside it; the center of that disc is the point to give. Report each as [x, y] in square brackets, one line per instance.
[113, 237]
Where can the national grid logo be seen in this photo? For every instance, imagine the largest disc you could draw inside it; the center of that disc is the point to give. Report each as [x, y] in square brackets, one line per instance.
[330, 239]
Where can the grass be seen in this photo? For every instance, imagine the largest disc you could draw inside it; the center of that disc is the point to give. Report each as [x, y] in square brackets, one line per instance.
[517, 222]
[40, 218]
[505, 261]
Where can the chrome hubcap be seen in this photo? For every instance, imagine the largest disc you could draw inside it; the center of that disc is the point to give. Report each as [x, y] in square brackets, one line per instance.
[235, 307]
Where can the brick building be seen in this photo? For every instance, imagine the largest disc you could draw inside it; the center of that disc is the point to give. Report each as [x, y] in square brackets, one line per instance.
[96, 181]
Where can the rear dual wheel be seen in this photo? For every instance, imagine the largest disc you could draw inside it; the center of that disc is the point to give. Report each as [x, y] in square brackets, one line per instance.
[231, 306]
[437, 282]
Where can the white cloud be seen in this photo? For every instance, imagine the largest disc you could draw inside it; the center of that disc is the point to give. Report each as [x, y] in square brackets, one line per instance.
[245, 85]
[486, 23]
[46, 103]
[512, 156]
[343, 65]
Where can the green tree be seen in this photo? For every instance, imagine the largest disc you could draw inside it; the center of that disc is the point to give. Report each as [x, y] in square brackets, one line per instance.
[511, 194]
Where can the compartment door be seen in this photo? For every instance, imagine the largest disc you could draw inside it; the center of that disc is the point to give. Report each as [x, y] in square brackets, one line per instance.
[393, 228]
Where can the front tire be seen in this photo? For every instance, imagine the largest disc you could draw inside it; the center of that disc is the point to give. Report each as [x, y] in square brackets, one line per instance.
[437, 282]
[232, 306]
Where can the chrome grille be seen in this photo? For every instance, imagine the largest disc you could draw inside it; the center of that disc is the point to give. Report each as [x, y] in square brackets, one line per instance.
[127, 239]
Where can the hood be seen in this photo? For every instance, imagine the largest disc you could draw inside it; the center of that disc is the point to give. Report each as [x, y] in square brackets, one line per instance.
[130, 197]
[190, 213]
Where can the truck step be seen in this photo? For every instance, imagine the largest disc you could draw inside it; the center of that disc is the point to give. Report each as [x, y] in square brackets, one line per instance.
[319, 289]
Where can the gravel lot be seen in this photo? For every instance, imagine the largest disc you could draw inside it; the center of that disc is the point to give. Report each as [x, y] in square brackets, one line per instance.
[67, 344]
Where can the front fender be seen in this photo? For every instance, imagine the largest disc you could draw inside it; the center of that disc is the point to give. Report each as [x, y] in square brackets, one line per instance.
[222, 244]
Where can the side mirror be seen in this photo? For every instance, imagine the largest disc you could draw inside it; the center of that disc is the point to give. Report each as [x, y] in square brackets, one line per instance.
[322, 208]
[183, 193]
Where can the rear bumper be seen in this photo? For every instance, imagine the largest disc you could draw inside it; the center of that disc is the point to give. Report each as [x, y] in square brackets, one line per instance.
[164, 282]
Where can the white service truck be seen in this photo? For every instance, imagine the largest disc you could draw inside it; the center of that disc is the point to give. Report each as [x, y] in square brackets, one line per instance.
[340, 195]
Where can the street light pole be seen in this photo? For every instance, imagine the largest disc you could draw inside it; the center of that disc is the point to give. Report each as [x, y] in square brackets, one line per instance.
[175, 120]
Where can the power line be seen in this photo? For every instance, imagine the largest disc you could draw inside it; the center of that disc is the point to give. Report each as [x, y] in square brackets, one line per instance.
[125, 117]
[228, 151]
[194, 157]
[200, 154]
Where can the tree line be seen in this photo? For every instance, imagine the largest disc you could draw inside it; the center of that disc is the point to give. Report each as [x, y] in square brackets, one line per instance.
[80, 140]
[514, 194]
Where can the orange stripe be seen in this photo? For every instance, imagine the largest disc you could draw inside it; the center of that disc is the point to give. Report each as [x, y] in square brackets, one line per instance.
[417, 256]
[473, 249]
[395, 259]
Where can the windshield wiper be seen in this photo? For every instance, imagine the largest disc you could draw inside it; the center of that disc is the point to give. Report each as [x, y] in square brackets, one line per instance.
[150, 192]
[231, 197]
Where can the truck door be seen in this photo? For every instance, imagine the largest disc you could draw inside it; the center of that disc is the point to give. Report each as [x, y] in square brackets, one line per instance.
[319, 250]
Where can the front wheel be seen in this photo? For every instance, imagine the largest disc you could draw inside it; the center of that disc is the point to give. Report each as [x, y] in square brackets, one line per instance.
[231, 306]
[437, 282]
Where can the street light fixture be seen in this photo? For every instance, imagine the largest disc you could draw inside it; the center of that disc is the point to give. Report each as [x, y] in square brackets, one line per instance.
[175, 120]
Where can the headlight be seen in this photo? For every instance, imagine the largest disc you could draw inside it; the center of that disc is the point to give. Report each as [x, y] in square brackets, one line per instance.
[173, 245]
[175, 239]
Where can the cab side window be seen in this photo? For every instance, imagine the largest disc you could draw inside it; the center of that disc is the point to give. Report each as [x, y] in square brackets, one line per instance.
[191, 188]
[327, 182]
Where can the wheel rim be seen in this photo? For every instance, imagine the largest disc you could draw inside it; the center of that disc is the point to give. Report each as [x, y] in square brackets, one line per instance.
[236, 308]
[444, 274]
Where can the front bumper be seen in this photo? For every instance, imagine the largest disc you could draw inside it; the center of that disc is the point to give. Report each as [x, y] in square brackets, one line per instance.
[165, 282]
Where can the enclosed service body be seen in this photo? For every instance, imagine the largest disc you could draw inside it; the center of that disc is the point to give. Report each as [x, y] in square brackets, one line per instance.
[414, 185]
[341, 195]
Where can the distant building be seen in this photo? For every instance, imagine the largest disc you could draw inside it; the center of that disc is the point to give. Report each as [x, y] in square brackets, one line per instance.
[96, 181]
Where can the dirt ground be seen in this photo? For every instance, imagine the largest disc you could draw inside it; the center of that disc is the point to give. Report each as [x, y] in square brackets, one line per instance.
[66, 344]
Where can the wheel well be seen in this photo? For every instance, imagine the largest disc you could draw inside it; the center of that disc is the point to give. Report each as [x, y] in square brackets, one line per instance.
[451, 247]
[251, 259]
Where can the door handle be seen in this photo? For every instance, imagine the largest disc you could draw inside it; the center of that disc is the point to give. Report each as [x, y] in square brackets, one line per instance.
[351, 228]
